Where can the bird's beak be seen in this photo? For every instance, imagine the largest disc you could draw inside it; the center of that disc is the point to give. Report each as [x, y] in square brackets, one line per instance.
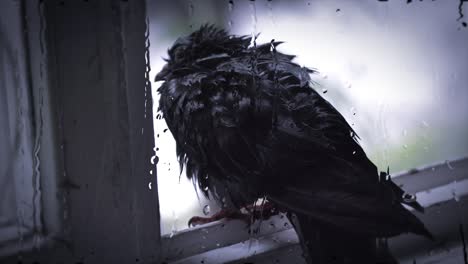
[161, 76]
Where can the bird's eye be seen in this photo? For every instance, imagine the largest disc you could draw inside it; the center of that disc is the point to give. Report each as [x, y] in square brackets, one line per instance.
[179, 54]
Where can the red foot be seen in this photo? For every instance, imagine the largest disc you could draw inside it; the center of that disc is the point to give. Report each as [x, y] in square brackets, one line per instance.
[253, 211]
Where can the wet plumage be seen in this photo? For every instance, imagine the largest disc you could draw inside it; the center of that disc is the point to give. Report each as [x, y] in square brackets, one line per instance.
[248, 124]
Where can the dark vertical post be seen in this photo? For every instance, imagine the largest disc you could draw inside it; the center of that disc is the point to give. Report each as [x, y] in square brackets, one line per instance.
[96, 52]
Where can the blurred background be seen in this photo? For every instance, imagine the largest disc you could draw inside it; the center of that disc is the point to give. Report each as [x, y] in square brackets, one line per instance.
[396, 70]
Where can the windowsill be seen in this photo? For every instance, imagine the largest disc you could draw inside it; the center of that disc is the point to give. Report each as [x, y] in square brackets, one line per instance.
[228, 241]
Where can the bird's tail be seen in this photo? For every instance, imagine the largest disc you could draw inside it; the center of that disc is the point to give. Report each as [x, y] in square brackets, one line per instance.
[323, 243]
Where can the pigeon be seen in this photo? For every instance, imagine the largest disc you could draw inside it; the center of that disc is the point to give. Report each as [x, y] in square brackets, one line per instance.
[249, 124]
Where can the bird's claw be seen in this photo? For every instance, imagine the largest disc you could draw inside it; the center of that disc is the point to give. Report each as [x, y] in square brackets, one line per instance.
[253, 213]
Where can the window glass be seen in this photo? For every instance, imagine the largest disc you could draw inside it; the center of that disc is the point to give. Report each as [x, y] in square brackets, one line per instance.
[394, 69]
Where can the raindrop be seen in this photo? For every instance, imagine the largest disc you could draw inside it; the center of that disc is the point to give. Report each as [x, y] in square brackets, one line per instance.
[449, 165]
[354, 152]
[455, 195]
[206, 188]
[409, 198]
[405, 146]
[217, 244]
[172, 233]
[254, 20]
[324, 90]
[151, 172]
[154, 159]
[206, 209]
[149, 185]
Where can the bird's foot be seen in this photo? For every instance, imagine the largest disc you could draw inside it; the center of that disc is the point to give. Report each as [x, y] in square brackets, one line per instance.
[263, 211]
[248, 214]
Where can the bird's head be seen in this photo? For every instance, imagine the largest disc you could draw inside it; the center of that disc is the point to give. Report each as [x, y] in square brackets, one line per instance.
[208, 40]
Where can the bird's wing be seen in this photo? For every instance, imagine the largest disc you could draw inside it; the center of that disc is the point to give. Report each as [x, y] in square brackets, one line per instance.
[321, 171]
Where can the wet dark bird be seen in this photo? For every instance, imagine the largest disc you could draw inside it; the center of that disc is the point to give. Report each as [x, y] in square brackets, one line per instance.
[249, 124]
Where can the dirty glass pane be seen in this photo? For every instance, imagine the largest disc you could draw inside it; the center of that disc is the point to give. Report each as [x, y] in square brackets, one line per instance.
[394, 69]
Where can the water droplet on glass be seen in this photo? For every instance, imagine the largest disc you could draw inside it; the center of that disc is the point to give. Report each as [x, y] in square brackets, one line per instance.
[455, 195]
[206, 209]
[449, 165]
[154, 159]
[254, 21]
[409, 198]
